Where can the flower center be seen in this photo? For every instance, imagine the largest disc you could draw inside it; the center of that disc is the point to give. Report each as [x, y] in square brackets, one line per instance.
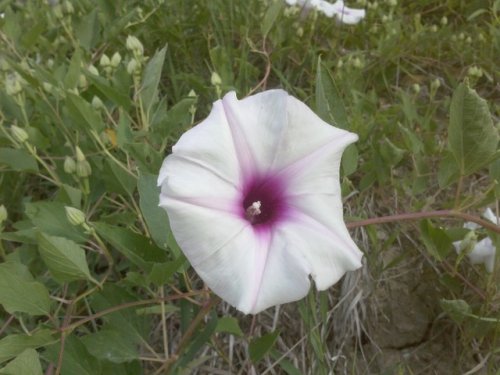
[263, 200]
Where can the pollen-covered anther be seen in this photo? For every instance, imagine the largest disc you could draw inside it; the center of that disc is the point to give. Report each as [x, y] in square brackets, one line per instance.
[253, 211]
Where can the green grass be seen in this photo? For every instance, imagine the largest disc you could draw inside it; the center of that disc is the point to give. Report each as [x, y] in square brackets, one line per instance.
[390, 79]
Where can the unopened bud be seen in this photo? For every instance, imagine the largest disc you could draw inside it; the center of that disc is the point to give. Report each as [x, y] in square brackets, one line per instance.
[47, 87]
[82, 81]
[93, 70]
[3, 214]
[80, 156]
[215, 79]
[444, 21]
[75, 216]
[133, 44]
[83, 168]
[434, 28]
[19, 134]
[97, 103]
[116, 59]
[69, 165]
[104, 61]
[416, 88]
[58, 11]
[132, 67]
[68, 7]
[435, 84]
[13, 84]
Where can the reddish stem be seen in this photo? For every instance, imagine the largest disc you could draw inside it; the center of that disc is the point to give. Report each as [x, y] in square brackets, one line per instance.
[425, 215]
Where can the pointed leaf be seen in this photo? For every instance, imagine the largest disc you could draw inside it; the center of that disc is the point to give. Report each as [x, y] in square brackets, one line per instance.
[14, 345]
[260, 347]
[18, 160]
[110, 344]
[20, 293]
[472, 137]
[64, 258]
[151, 80]
[25, 363]
[156, 218]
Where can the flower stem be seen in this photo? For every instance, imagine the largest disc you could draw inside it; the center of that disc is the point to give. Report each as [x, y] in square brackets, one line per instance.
[425, 215]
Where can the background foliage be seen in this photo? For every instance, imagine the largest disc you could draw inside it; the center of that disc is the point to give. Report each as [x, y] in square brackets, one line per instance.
[92, 281]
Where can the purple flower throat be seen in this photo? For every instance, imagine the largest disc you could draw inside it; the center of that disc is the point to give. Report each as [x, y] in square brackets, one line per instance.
[263, 200]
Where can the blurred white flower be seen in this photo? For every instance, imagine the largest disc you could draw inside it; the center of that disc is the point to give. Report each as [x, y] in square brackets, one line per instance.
[483, 251]
[338, 9]
[253, 198]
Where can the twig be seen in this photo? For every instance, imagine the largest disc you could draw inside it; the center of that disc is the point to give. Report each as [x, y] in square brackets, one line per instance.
[425, 215]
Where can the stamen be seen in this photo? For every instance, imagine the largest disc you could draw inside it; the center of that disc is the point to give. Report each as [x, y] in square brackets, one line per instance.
[253, 211]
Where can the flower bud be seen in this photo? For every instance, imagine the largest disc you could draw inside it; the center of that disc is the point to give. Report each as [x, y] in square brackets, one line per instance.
[68, 7]
[444, 21]
[69, 165]
[82, 81]
[116, 59]
[132, 67]
[47, 87]
[83, 168]
[58, 11]
[80, 156]
[215, 79]
[416, 88]
[133, 44]
[19, 134]
[97, 103]
[434, 28]
[93, 70]
[75, 216]
[13, 84]
[3, 214]
[104, 61]
[4, 65]
[435, 84]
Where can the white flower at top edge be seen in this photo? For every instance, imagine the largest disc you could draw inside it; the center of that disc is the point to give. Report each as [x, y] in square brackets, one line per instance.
[483, 251]
[253, 198]
[338, 9]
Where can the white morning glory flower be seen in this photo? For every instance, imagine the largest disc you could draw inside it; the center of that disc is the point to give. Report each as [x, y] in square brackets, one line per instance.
[483, 251]
[338, 9]
[253, 197]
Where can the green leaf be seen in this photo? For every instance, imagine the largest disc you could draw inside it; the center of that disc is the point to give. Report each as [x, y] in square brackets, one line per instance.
[117, 179]
[436, 240]
[156, 217]
[18, 159]
[87, 30]
[25, 363]
[260, 347]
[329, 104]
[20, 293]
[76, 360]
[162, 272]
[13, 345]
[350, 160]
[271, 16]
[109, 344]
[73, 75]
[457, 309]
[65, 258]
[137, 248]
[472, 137]
[228, 324]
[110, 92]
[83, 114]
[151, 79]
[50, 218]
[448, 171]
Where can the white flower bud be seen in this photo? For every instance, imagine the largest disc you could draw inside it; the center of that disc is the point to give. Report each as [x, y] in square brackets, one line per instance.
[69, 165]
[75, 216]
[82, 81]
[3, 214]
[93, 70]
[116, 59]
[47, 87]
[416, 88]
[215, 79]
[434, 28]
[435, 84]
[444, 21]
[19, 134]
[104, 61]
[13, 84]
[133, 44]
[133, 67]
[69, 7]
[97, 103]
[83, 168]
[80, 156]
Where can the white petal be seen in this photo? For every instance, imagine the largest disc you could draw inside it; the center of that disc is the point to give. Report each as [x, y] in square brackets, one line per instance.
[256, 123]
[308, 139]
[199, 230]
[210, 145]
[471, 225]
[255, 271]
[484, 252]
[348, 15]
[317, 224]
[489, 215]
